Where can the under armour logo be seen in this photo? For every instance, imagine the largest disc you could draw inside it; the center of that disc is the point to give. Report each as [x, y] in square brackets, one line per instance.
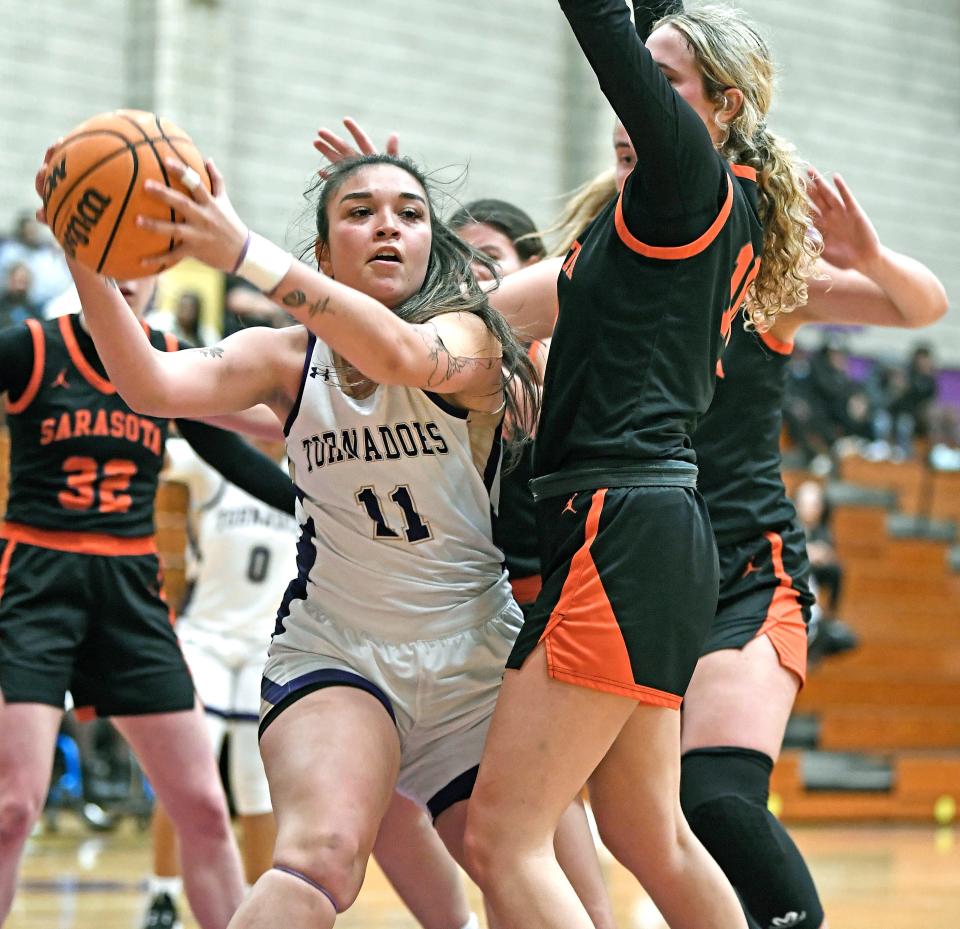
[793, 918]
[61, 379]
[315, 372]
[569, 507]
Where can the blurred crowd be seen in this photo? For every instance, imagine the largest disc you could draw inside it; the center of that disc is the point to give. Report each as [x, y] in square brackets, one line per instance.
[35, 283]
[885, 411]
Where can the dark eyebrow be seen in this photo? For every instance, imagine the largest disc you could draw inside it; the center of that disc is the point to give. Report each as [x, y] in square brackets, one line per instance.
[621, 145]
[366, 195]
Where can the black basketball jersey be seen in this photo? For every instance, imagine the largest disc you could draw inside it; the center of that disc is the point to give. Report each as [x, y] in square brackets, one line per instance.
[634, 354]
[738, 439]
[80, 459]
[649, 293]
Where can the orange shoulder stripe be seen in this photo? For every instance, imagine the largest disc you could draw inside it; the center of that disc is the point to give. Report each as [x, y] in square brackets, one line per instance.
[744, 171]
[171, 340]
[36, 375]
[674, 251]
[76, 356]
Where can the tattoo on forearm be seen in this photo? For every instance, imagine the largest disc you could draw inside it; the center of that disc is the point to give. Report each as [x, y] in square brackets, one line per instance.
[213, 352]
[295, 298]
[447, 365]
[319, 307]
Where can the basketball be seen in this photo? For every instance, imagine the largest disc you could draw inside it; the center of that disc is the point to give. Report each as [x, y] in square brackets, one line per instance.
[94, 189]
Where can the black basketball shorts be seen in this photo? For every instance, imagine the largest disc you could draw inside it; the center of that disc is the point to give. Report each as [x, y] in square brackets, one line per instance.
[96, 625]
[629, 590]
[764, 590]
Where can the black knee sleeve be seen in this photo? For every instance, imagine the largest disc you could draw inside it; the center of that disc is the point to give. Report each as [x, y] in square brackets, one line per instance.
[723, 792]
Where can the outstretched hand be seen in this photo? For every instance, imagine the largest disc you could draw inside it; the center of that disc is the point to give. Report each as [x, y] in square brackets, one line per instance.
[209, 228]
[335, 148]
[849, 239]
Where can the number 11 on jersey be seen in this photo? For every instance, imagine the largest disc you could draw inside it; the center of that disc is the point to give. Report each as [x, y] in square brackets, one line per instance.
[415, 528]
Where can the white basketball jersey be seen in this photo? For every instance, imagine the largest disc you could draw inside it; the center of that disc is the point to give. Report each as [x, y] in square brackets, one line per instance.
[244, 555]
[396, 508]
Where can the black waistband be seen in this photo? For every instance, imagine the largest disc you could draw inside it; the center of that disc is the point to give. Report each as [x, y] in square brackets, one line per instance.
[594, 475]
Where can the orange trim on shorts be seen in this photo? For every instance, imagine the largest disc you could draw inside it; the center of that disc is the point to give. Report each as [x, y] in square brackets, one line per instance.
[744, 171]
[5, 565]
[784, 625]
[170, 340]
[526, 589]
[583, 640]
[36, 375]
[81, 363]
[80, 543]
[678, 251]
[775, 345]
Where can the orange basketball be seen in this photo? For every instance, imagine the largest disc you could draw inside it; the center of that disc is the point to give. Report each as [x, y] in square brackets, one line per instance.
[93, 190]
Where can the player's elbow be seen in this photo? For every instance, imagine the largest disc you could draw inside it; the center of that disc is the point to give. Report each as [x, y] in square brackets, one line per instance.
[930, 308]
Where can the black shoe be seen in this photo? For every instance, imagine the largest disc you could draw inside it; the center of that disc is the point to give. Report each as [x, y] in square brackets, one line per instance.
[162, 913]
[831, 637]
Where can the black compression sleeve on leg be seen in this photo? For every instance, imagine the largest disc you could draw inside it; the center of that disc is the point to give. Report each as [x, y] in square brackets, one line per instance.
[723, 792]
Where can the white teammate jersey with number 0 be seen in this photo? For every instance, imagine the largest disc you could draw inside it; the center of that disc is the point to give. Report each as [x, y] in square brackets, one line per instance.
[397, 492]
[242, 558]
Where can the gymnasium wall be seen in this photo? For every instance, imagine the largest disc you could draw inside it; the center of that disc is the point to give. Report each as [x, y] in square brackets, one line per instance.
[869, 88]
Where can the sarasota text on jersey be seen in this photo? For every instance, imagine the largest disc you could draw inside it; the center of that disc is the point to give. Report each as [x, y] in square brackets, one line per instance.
[114, 424]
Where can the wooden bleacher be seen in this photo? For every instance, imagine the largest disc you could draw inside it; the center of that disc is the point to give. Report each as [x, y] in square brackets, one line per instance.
[895, 699]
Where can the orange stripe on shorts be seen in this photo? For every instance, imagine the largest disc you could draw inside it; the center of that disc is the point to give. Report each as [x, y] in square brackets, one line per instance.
[583, 639]
[784, 625]
[5, 565]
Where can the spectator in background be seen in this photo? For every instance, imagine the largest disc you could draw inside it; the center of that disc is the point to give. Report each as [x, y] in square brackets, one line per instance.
[829, 635]
[244, 306]
[30, 245]
[918, 399]
[804, 417]
[188, 320]
[15, 303]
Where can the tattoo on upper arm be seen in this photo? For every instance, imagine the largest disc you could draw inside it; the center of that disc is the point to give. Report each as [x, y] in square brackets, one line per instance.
[319, 307]
[213, 352]
[445, 364]
[294, 298]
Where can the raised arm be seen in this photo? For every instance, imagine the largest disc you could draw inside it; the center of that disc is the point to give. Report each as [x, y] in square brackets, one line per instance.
[678, 173]
[861, 282]
[647, 12]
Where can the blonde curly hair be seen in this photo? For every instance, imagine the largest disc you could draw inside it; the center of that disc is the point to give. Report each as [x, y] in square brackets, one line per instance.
[730, 53]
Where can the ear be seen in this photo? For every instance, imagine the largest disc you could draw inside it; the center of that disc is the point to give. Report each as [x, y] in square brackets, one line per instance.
[322, 252]
[730, 105]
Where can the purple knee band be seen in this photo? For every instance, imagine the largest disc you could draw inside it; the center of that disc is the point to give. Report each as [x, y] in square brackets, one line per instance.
[310, 881]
